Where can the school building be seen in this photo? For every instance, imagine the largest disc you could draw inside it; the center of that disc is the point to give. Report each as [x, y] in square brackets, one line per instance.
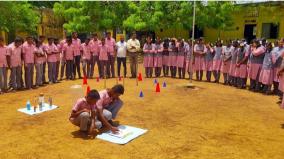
[255, 20]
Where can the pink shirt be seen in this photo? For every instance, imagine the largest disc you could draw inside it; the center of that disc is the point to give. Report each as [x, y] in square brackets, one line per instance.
[95, 44]
[40, 55]
[15, 54]
[104, 100]
[62, 43]
[82, 104]
[28, 52]
[86, 51]
[258, 51]
[103, 53]
[3, 56]
[59, 51]
[68, 52]
[51, 51]
[77, 46]
[111, 44]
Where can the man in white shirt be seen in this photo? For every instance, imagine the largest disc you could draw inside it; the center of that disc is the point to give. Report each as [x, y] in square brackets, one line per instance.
[121, 49]
[133, 47]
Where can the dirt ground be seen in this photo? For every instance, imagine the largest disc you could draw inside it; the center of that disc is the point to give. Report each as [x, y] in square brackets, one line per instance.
[212, 122]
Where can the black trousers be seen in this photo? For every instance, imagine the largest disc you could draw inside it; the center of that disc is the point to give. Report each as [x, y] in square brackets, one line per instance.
[123, 61]
[77, 66]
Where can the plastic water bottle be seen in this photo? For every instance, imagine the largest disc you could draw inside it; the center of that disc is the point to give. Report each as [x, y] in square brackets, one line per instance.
[50, 102]
[40, 106]
[28, 105]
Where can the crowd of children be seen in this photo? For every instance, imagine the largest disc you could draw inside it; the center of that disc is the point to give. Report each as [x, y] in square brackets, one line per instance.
[259, 61]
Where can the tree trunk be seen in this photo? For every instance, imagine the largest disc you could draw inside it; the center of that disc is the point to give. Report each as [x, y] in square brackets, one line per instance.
[11, 35]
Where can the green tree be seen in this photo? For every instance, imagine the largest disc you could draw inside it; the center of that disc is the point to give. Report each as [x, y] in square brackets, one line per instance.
[18, 16]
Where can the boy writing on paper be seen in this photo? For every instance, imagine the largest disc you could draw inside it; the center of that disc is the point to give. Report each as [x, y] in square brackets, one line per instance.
[109, 105]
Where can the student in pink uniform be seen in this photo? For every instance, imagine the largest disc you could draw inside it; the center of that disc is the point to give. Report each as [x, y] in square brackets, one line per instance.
[77, 54]
[41, 40]
[28, 56]
[148, 51]
[15, 53]
[277, 60]
[173, 50]
[256, 60]
[226, 60]
[158, 57]
[232, 71]
[57, 44]
[209, 55]
[84, 113]
[189, 59]
[199, 61]
[110, 43]
[62, 59]
[241, 66]
[217, 61]
[86, 57]
[68, 55]
[166, 57]
[51, 51]
[280, 75]
[103, 58]
[266, 74]
[3, 66]
[39, 60]
[108, 106]
[95, 43]
[181, 57]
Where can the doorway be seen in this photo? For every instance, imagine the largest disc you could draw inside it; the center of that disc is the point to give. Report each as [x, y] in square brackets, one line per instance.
[250, 32]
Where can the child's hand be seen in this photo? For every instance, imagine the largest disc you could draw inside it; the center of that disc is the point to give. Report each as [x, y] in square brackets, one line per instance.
[279, 74]
[114, 129]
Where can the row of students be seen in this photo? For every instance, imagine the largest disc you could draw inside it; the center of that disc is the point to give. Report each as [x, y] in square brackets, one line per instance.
[63, 57]
[237, 61]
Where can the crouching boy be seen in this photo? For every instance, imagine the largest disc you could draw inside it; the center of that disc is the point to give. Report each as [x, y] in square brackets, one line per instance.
[83, 112]
[108, 106]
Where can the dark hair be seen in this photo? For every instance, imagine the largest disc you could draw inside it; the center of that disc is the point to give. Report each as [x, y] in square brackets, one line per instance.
[94, 34]
[17, 39]
[108, 33]
[50, 38]
[29, 37]
[1, 38]
[93, 94]
[118, 89]
[41, 36]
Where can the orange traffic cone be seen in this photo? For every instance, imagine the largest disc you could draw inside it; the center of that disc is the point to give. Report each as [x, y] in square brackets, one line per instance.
[119, 78]
[88, 90]
[98, 79]
[158, 88]
[85, 82]
[140, 77]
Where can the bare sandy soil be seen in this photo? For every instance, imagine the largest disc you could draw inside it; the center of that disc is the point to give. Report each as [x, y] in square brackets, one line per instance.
[211, 122]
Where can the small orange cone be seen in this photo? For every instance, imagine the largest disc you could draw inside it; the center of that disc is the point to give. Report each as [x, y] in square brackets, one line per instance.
[98, 79]
[85, 82]
[119, 78]
[88, 90]
[140, 77]
[158, 88]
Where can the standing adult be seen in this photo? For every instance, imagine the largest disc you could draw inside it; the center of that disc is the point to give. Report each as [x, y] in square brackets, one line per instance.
[110, 43]
[121, 55]
[77, 53]
[133, 47]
